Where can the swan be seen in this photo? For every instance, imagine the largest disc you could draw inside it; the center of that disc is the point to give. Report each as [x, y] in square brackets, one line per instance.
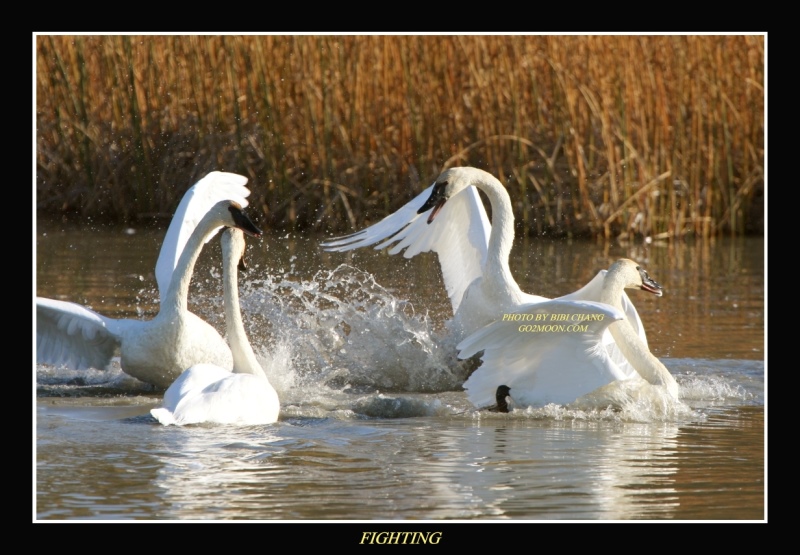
[154, 351]
[210, 393]
[448, 218]
[564, 359]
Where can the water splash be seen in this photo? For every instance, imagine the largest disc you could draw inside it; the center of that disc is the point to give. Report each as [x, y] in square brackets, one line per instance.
[344, 331]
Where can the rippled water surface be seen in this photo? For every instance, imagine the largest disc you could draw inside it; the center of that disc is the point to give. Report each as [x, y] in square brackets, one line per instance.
[374, 425]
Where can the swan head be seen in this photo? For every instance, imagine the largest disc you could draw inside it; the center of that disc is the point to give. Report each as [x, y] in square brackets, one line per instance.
[634, 276]
[449, 183]
[230, 213]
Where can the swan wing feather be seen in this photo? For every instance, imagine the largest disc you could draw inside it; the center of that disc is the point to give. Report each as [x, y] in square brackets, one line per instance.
[74, 336]
[459, 235]
[387, 227]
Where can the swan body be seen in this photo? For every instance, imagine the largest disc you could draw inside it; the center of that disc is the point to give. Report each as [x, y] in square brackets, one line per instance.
[448, 218]
[155, 351]
[210, 393]
[565, 359]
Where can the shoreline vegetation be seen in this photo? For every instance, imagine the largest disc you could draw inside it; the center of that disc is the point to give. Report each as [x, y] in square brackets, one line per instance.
[594, 136]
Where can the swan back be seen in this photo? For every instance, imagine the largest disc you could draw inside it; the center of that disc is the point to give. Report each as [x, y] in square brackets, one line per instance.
[545, 352]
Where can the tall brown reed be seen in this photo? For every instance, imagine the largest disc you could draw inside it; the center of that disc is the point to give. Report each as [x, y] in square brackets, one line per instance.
[593, 135]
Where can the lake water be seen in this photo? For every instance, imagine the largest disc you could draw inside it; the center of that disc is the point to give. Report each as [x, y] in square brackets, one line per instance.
[374, 425]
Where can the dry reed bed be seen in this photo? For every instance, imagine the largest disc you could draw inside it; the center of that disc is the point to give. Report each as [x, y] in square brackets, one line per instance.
[593, 135]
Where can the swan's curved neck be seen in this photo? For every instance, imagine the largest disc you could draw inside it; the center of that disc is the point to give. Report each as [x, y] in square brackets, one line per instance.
[244, 359]
[176, 298]
[630, 344]
[501, 238]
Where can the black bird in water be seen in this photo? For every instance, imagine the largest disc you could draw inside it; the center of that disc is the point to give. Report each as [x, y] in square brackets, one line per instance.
[503, 391]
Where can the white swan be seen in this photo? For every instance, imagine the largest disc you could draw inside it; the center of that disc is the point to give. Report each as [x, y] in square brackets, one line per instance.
[449, 219]
[210, 393]
[552, 352]
[155, 351]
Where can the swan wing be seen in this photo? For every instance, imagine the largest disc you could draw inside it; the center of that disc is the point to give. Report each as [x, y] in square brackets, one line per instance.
[197, 201]
[557, 362]
[70, 335]
[459, 235]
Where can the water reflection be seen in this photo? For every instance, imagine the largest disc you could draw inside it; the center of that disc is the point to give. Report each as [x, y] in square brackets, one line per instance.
[598, 470]
[730, 437]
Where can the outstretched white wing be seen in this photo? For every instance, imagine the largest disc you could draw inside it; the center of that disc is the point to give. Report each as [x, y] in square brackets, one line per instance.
[459, 235]
[70, 335]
